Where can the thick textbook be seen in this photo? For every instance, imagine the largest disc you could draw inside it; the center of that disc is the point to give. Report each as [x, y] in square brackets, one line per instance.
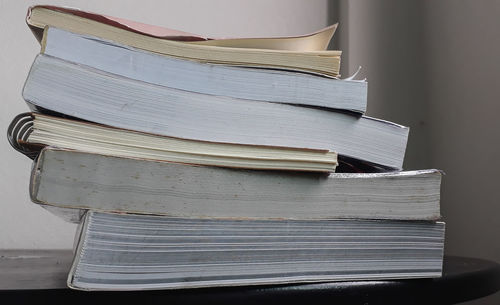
[319, 62]
[94, 95]
[38, 15]
[29, 132]
[74, 179]
[139, 252]
[255, 84]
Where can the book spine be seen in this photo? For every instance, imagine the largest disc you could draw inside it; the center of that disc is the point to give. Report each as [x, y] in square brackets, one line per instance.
[17, 134]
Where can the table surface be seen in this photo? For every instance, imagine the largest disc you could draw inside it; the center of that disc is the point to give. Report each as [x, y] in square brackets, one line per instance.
[39, 276]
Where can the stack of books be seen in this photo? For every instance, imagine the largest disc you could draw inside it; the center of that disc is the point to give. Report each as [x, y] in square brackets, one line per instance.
[197, 162]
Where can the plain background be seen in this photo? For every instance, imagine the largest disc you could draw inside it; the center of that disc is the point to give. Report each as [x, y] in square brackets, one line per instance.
[434, 66]
[431, 65]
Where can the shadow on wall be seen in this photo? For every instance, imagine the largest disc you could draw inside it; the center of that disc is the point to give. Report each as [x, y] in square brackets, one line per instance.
[433, 66]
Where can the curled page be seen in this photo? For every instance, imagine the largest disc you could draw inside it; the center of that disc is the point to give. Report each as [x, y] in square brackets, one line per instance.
[351, 78]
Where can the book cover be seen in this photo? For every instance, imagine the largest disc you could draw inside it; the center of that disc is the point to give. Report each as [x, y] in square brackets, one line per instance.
[74, 179]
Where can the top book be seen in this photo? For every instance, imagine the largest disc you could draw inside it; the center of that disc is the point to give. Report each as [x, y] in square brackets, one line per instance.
[302, 53]
[316, 41]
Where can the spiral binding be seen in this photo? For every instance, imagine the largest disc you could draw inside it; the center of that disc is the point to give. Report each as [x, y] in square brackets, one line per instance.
[18, 132]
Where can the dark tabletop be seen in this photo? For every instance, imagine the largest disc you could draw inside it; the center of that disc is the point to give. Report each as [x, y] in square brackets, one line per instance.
[39, 276]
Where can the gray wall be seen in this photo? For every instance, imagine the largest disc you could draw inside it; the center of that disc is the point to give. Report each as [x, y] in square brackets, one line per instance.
[433, 66]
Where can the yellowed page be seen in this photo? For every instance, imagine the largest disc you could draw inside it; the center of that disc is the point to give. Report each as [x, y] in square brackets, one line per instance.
[321, 62]
[317, 41]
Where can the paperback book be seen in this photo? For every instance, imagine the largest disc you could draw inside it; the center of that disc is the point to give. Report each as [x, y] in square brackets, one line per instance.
[30, 132]
[38, 16]
[265, 85]
[74, 179]
[139, 252]
[97, 96]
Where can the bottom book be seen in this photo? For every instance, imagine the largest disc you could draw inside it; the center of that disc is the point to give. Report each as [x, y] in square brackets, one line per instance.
[136, 252]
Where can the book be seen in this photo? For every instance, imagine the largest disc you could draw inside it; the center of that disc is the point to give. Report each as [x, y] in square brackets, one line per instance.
[42, 130]
[254, 84]
[315, 41]
[94, 95]
[140, 252]
[318, 62]
[81, 180]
